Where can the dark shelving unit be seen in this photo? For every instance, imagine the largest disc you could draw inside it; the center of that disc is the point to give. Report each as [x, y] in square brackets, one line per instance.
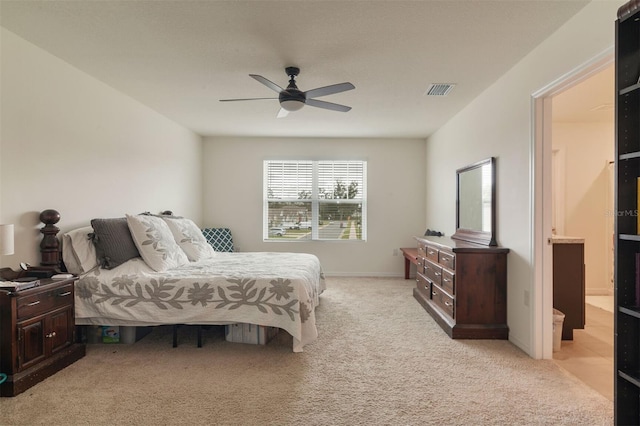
[627, 238]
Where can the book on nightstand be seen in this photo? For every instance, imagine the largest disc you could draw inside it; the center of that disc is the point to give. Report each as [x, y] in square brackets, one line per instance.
[18, 284]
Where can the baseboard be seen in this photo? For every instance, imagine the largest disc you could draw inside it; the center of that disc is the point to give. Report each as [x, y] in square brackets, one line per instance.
[364, 275]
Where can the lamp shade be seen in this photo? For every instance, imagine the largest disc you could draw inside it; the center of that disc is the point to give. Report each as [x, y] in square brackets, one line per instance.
[6, 239]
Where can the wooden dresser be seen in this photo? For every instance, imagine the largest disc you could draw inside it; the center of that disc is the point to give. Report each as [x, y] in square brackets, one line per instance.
[463, 286]
[37, 334]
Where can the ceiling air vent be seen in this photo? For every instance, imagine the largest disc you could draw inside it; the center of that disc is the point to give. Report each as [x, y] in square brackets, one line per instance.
[439, 89]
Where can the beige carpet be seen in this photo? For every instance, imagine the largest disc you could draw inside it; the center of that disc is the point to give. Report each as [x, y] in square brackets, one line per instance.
[380, 360]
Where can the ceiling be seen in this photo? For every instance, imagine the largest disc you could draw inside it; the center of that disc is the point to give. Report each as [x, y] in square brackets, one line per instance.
[181, 57]
[591, 100]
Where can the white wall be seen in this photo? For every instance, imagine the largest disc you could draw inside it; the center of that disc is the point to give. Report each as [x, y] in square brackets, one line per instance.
[499, 123]
[73, 144]
[587, 149]
[233, 175]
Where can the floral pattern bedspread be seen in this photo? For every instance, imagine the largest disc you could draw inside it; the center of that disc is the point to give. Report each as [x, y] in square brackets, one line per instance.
[263, 288]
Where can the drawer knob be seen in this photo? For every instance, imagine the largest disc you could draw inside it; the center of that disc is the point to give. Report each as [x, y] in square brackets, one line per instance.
[50, 335]
[448, 304]
[433, 293]
[33, 303]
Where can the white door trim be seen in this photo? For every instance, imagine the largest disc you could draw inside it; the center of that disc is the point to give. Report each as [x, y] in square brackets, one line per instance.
[540, 191]
[558, 173]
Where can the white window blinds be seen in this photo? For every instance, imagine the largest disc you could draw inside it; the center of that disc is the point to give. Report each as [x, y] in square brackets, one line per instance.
[314, 200]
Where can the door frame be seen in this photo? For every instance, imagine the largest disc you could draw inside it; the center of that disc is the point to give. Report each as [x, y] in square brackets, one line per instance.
[541, 198]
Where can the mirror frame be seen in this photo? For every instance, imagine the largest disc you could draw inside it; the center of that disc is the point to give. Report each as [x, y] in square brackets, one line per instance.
[487, 238]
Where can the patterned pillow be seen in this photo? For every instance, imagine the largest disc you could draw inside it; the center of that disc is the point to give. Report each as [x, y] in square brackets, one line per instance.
[113, 242]
[190, 239]
[155, 243]
[220, 239]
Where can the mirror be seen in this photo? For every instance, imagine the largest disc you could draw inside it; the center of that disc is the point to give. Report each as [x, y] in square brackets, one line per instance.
[476, 203]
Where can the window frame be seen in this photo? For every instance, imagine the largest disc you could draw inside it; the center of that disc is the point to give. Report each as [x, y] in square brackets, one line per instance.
[315, 199]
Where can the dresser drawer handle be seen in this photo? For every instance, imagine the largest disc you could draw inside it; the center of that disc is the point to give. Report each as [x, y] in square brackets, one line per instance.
[52, 334]
[437, 274]
[431, 252]
[33, 303]
[66, 293]
[433, 293]
[446, 280]
[448, 304]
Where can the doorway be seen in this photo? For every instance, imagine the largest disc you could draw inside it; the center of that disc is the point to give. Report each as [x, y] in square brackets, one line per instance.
[583, 144]
[541, 199]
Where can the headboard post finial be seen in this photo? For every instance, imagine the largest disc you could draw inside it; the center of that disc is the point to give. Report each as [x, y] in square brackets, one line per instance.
[50, 246]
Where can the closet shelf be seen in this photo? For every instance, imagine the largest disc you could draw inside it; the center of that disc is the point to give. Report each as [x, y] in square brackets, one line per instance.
[629, 89]
[634, 311]
[629, 156]
[632, 377]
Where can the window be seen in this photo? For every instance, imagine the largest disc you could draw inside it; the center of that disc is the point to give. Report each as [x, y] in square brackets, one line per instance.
[315, 200]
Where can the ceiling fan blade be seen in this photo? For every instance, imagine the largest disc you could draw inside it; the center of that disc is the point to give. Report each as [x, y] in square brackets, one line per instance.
[270, 84]
[282, 113]
[328, 90]
[248, 99]
[327, 105]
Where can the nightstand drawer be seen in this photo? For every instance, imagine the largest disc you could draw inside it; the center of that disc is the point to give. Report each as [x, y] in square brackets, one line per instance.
[39, 303]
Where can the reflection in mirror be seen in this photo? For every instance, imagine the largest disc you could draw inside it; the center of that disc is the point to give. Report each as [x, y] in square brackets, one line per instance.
[475, 199]
[475, 203]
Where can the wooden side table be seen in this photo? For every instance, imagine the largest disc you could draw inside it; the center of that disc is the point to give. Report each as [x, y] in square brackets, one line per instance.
[37, 332]
[410, 256]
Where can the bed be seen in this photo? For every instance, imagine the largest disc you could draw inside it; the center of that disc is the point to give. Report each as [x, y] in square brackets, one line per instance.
[156, 284]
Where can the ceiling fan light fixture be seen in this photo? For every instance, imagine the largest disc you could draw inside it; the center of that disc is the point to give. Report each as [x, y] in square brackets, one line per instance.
[292, 105]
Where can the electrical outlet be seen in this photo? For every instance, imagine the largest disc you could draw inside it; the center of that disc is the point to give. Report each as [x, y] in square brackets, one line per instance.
[395, 252]
[526, 298]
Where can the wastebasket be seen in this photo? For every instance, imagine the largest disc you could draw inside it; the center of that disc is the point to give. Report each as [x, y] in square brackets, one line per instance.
[558, 320]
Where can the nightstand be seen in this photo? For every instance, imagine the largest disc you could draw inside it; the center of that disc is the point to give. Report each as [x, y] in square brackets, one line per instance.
[37, 334]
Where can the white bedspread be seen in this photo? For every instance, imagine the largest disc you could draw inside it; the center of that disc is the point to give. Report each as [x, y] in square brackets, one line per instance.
[266, 288]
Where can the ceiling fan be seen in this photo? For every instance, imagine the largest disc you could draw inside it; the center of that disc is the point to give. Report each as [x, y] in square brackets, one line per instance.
[293, 99]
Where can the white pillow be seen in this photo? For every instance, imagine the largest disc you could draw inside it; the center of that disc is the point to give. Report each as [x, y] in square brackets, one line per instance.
[190, 239]
[155, 243]
[68, 257]
[78, 251]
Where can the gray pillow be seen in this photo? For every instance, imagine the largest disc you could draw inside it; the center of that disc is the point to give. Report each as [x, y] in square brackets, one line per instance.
[113, 241]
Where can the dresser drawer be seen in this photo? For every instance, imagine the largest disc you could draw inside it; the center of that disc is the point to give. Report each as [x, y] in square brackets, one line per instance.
[432, 253]
[433, 271]
[442, 300]
[448, 260]
[449, 281]
[46, 301]
[422, 250]
[423, 285]
[420, 264]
